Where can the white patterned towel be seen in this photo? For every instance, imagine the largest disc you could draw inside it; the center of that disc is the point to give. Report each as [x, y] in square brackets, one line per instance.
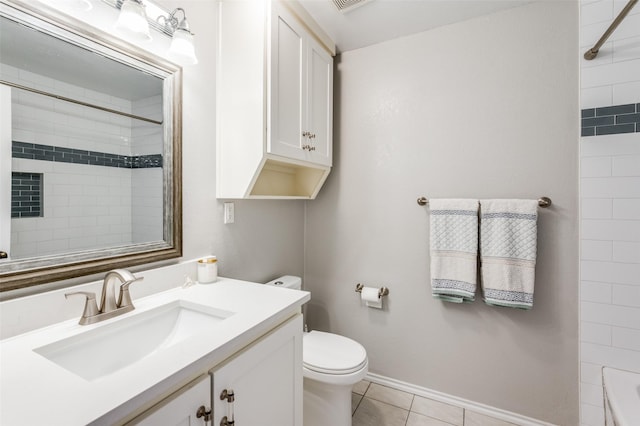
[454, 249]
[508, 235]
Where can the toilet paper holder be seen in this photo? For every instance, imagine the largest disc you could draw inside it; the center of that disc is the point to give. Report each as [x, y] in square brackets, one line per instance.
[382, 292]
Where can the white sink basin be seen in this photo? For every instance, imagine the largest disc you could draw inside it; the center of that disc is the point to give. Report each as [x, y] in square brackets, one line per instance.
[106, 349]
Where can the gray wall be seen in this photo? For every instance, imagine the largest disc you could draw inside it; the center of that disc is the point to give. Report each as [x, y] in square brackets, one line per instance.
[486, 108]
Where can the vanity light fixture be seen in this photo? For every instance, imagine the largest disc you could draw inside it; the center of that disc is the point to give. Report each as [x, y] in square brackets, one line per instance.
[133, 20]
[182, 49]
[168, 23]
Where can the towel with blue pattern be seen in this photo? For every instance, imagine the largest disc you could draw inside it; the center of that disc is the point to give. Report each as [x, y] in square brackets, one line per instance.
[454, 249]
[508, 239]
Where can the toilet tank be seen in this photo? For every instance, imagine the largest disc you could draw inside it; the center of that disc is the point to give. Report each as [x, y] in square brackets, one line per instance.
[287, 281]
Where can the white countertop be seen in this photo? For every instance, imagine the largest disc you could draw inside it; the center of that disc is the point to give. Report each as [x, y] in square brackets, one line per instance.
[34, 390]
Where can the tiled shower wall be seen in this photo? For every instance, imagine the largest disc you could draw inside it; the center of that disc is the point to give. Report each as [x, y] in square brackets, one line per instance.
[147, 211]
[84, 205]
[610, 202]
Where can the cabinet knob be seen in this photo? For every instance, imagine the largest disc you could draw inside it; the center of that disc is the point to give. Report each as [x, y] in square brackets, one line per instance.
[228, 395]
[226, 422]
[203, 412]
[306, 134]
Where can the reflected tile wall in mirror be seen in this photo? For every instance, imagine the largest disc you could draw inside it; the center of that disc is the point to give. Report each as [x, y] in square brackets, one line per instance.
[109, 200]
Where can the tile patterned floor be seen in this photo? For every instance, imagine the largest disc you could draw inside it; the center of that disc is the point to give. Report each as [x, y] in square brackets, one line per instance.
[377, 405]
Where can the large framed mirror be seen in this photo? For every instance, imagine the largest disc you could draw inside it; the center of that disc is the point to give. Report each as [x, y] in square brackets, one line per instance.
[90, 150]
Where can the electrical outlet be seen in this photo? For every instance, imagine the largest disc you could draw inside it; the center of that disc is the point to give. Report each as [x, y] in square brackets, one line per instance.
[229, 213]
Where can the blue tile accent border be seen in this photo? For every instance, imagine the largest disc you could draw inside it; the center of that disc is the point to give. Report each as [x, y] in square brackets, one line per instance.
[611, 120]
[32, 151]
[26, 194]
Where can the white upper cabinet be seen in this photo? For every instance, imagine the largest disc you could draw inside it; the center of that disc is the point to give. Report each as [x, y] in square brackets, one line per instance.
[274, 101]
[301, 92]
[320, 103]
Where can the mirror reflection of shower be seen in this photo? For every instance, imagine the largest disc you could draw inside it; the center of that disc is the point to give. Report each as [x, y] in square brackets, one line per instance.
[84, 172]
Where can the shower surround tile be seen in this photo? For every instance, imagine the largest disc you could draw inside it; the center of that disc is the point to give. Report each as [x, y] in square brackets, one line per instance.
[610, 120]
[26, 194]
[32, 151]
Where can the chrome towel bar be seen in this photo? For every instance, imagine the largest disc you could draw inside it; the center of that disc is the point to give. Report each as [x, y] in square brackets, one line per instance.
[543, 202]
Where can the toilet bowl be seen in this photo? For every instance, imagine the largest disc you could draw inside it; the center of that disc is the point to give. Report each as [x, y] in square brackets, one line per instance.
[332, 364]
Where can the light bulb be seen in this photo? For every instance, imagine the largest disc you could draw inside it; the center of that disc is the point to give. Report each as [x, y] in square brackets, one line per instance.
[182, 49]
[132, 20]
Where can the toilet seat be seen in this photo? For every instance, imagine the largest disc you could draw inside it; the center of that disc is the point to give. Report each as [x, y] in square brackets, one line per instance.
[333, 354]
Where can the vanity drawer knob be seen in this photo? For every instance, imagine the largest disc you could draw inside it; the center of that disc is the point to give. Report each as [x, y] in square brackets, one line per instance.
[202, 412]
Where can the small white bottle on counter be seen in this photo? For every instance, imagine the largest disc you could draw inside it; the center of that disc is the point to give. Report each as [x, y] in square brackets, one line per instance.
[207, 270]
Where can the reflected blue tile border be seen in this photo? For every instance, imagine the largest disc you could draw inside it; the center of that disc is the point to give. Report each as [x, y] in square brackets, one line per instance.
[31, 151]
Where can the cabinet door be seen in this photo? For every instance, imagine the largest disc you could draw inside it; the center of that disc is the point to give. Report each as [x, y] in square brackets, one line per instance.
[266, 379]
[287, 85]
[319, 102]
[180, 409]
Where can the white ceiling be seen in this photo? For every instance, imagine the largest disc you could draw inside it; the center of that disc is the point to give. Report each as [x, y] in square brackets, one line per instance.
[381, 20]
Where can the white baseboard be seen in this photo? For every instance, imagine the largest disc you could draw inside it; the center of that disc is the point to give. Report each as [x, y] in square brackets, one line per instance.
[477, 407]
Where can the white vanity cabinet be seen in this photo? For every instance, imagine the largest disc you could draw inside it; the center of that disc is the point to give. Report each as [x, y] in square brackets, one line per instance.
[266, 380]
[274, 101]
[188, 344]
[182, 408]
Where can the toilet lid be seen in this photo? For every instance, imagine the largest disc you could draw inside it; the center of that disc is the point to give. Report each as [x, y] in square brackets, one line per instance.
[331, 353]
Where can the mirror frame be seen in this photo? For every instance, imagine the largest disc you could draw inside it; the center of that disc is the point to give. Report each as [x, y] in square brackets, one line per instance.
[18, 274]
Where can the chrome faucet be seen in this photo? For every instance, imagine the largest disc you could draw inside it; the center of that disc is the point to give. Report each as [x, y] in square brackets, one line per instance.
[109, 307]
[108, 301]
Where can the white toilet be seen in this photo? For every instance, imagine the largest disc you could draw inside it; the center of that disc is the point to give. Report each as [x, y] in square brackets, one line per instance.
[332, 364]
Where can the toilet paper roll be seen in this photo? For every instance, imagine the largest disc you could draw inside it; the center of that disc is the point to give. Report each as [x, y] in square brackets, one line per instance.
[370, 296]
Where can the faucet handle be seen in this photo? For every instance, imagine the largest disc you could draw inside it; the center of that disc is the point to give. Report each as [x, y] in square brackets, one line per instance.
[90, 306]
[124, 298]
